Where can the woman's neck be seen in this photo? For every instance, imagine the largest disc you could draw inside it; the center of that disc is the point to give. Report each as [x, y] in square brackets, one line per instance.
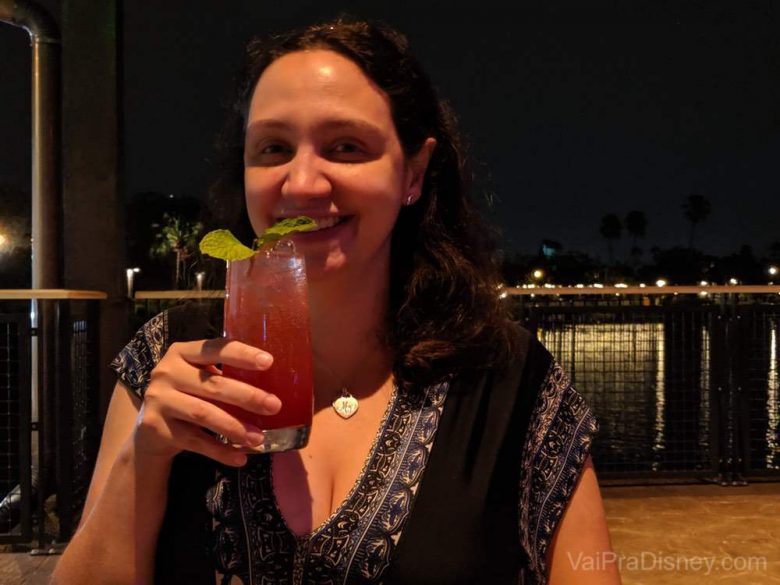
[348, 320]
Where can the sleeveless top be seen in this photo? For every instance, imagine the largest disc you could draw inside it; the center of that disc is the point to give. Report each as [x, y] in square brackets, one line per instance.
[466, 482]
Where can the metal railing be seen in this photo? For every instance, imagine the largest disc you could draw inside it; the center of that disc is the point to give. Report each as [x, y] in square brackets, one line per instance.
[684, 380]
[49, 412]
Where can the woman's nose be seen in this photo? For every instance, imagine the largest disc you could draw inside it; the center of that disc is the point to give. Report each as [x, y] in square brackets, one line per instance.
[305, 178]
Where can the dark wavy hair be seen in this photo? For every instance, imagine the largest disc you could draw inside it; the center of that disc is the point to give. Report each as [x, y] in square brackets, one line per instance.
[445, 316]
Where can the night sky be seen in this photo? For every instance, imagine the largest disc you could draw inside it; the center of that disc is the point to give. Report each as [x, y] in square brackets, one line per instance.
[569, 115]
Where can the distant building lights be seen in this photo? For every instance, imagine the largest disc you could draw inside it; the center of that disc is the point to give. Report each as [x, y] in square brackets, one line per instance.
[733, 281]
[642, 285]
[579, 286]
[621, 285]
[661, 282]
[598, 285]
[538, 274]
[704, 283]
[773, 270]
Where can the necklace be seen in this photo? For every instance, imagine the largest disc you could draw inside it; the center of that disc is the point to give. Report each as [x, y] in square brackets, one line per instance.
[345, 405]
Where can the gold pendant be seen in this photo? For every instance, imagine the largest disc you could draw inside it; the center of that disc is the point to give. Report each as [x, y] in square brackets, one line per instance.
[345, 405]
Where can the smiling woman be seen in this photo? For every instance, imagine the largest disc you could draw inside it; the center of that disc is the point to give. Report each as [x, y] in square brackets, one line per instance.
[468, 459]
[321, 142]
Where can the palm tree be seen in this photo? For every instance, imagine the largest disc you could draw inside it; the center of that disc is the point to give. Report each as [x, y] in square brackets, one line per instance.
[697, 208]
[636, 226]
[180, 237]
[611, 229]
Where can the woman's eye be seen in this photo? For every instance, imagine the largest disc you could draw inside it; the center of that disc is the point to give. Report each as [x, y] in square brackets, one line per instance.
[271, 154]
[346, 147]
[348, 151]
[274, 149]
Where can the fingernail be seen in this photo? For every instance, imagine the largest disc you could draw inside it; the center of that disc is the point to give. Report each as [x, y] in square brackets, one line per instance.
[272, 403]
[264, 360]
[254, 436]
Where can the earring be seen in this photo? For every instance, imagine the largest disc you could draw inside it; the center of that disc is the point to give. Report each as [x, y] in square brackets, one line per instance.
[409, 199]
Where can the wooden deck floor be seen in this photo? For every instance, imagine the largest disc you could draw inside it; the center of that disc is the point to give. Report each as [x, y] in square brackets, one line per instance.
[691, 535]
[663, 535]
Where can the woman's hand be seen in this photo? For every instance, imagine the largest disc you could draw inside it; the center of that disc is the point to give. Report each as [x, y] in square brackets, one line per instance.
[184, 396]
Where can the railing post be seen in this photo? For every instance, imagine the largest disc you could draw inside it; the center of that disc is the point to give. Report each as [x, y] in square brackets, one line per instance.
[745, 317]
[64, 420]
[720, 394]
[46, 426]
[25, 426]
[737, 423]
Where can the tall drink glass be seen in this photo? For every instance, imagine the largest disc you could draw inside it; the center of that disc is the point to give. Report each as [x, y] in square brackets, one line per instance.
[266, 306]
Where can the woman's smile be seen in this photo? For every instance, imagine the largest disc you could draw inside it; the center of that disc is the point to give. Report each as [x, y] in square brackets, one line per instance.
[329, 230]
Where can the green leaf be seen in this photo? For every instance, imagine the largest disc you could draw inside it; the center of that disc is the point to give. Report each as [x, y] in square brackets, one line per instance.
[224, 245]
[284, 228]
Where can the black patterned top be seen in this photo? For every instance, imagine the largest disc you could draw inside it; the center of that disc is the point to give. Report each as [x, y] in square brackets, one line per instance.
[247, 536]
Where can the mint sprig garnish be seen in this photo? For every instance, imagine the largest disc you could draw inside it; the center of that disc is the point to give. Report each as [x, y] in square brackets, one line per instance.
[224, 245]
[285, 227]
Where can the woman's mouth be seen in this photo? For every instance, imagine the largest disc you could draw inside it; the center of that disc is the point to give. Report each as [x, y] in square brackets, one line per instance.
[325, 223]
[327, 228]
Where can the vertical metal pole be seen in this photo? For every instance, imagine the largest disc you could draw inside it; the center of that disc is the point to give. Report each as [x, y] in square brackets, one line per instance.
[25, 449]
[719, 384]
[46, 269]
[744, 319]
[45, 44]
[45, 371]
[63, 408]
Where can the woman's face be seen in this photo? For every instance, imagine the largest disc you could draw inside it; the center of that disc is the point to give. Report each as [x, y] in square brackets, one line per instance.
[321, 142]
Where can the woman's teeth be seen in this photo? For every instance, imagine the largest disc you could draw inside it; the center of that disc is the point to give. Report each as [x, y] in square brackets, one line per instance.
[327, 222]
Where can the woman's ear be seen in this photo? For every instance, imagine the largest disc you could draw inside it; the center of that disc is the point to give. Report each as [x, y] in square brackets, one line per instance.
[417, 165]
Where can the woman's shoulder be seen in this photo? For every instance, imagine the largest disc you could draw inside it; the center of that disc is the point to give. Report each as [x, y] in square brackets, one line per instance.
[558, 440]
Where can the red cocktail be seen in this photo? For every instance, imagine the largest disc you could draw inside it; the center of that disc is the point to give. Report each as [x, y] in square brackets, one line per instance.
[266, 306]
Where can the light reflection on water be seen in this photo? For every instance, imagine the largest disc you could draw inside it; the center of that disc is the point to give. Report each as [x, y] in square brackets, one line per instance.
[660, 389]
[773, 412]
[621, 369]
[649, 385]
[704, 369]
